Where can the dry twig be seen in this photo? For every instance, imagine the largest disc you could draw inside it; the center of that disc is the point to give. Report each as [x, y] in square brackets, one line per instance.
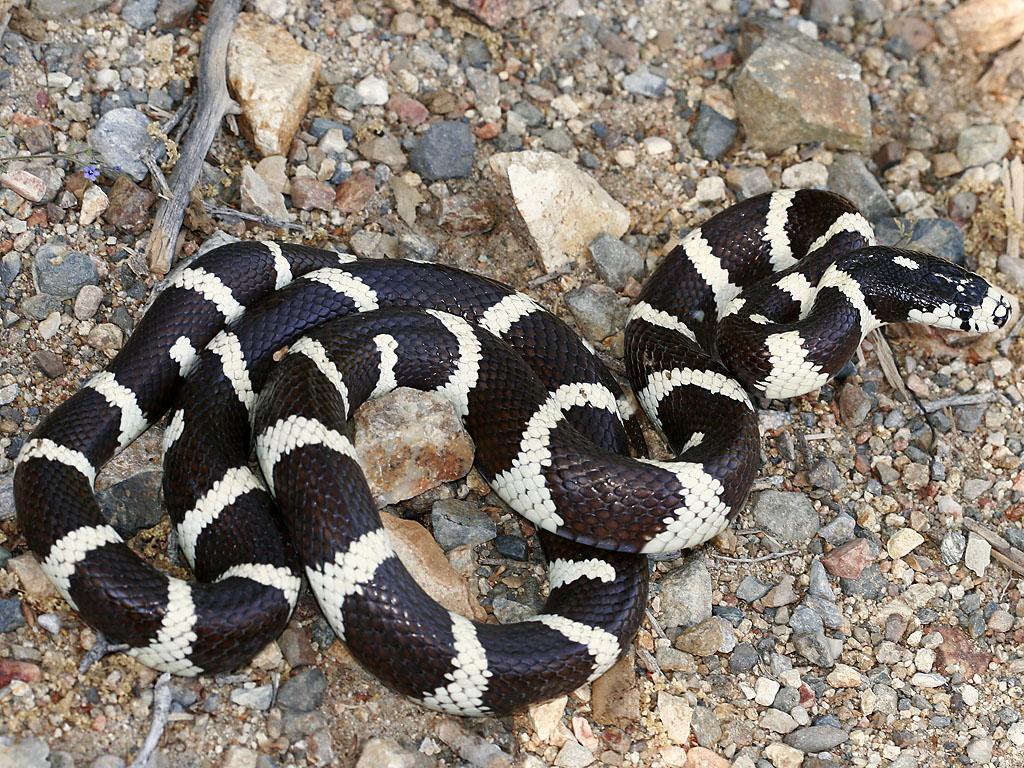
[212, 104]
[760, 559]
[1013, 204]
[161, 710]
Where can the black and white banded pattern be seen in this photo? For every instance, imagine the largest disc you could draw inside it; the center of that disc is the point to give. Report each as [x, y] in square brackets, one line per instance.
[782, 288]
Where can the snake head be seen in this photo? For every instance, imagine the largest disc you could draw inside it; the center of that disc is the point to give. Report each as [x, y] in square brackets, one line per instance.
[944, 295]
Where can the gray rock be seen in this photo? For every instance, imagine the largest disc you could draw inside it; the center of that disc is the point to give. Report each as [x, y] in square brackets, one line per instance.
[303, 691]
[871, 583]
[513, 547]
[297, 724]
[982, 144]
[259, 698]
[445, 151]
[707, 728]
[743, 658]
[557, 140]
[794, 90]
[816, 738]
[10, 615]
[1013, 534]
[10, 266]
[713, 134]
[345, 96]
[415, 246]
[27, 753]
[597, 309]
[752, 588]
[686, 594]
[140, 14]
[171, 14]
[388, 753]
[806, 621]
[573, 755]
[645, 83]
[456, 522]
[532, 116]
[940, 237]
[40, 305]
[827, 12]
[815, 648]
[850, 177]
[819, 585]
[61, 272]
[66, 9]
[839, 530]
[7, 496]
[825, 475]
[615, 261]
[673, 660]
[952, 548]
[831, 615]
[786, 699]
[979, 750]
[486, 85]
[121, 136]
[748, 182]
[510, 611]
[868, 10]
[134, 504]
[787, 515]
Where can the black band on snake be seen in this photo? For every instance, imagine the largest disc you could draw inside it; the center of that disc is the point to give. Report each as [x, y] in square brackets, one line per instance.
[770, 296]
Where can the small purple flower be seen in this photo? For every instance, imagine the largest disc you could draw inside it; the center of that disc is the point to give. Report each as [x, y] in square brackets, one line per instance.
[91, 172]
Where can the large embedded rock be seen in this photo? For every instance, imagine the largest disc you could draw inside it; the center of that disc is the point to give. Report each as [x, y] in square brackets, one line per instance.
[272, 77]
[794, 90]
[564, 208]
[409, 442]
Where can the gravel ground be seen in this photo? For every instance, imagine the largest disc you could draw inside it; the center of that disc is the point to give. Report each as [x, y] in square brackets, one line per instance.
[861, 611]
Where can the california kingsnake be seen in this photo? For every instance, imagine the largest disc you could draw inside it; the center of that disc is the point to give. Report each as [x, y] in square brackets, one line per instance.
[543, 411]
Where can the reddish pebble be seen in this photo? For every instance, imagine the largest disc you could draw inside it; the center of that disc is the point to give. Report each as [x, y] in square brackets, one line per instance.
[308, 194]
[37, 218]
[487, 131]
[18, 670]
[848, 560]
[409, 111]
[354, 193]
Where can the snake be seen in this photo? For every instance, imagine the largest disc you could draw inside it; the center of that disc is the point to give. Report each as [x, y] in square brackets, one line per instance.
[267, 348]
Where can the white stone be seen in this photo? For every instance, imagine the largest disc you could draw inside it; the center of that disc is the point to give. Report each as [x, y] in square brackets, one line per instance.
[969, 694]
[626, 158]
[656, 145]
[809, 175]
[903, 542]
[563, 207]
[710, 189]
[978, 555]
[373, 91]
[1015, 733]
[94, 202]
[676, 715]
[272, 76]
[844, 676]
[765, 690]
[547, 716]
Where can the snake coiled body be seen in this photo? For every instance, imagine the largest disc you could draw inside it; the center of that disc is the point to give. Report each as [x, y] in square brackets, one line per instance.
[771, 296]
